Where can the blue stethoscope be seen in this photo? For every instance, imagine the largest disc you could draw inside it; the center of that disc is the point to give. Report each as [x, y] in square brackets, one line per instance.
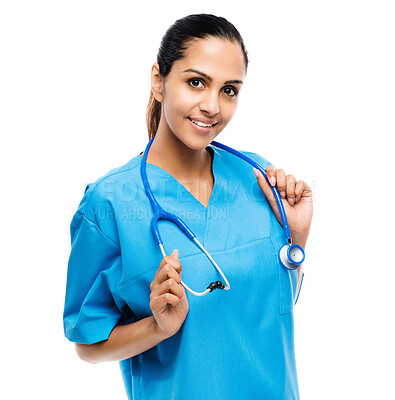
[291, 256]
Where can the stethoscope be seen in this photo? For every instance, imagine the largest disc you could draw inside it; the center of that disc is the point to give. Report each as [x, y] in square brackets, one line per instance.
[291, 256]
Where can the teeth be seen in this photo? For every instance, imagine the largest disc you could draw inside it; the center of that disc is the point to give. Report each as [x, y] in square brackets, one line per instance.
[201, 124]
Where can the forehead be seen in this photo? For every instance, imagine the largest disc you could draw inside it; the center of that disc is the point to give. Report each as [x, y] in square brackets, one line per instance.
[219, 58]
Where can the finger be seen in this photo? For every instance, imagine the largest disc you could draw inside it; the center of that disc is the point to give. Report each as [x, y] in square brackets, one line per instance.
[172, 259]
[291, 181]
[262, 183]
[281, 183]
[160, 302]
[299, 187]
[167, 272]
[307, 192]
[271, 174]
[168, 286]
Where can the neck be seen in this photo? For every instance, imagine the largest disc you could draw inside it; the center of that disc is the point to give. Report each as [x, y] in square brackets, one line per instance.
[182, 162]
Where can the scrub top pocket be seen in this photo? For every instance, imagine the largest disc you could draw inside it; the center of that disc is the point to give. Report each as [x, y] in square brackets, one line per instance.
[287, 280]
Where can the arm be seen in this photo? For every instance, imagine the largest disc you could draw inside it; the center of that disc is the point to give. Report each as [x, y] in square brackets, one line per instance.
[300, 239]
[297, 200]
[169, 306]
[298, 204]
[125, 341]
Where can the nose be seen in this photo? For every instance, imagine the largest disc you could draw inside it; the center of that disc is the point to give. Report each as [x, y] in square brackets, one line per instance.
[210, 103]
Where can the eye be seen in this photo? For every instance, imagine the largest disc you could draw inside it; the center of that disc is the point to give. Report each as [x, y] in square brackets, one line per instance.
[230, 91]
[195, 82]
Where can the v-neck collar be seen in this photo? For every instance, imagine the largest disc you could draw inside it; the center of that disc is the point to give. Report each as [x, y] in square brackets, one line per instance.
[215, 175]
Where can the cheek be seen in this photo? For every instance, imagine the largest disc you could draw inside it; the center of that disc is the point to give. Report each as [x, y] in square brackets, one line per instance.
[228, 109]
[177, 104]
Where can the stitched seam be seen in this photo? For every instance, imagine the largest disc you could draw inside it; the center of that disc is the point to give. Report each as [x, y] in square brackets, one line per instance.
[83, 329]
[193, 255]
[100, 180]
[114, 173]
[95, 184]
[120, 301]
[137, 276]
[284, 308]
[99, 230]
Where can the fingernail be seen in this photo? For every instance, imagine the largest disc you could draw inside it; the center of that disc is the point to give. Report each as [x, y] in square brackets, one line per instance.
[282, 194]
[256, 172]
[273, 181]
[175, 252]
[291, 201]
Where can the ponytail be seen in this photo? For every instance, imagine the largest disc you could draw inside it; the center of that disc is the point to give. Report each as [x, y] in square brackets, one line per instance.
[153, 116]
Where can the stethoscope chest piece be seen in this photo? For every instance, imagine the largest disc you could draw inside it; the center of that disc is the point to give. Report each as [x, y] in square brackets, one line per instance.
[291, 256]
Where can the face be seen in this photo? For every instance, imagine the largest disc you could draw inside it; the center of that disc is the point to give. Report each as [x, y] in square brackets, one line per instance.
[200, 94]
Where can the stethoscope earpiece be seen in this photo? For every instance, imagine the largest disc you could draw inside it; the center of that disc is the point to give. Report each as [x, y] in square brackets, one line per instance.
[216, 285]
[291, 256]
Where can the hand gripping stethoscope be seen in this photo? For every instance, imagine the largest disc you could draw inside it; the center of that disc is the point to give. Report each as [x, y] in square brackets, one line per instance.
[291, 256]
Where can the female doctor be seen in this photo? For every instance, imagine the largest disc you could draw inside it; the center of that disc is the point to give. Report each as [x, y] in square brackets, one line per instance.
[125, 301]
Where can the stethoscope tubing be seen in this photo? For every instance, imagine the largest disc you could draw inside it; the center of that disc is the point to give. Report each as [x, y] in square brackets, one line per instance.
[160, 213]
[274, 189]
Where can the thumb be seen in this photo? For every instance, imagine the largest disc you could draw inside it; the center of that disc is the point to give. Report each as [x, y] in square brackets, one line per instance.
[263, 184]
[175, 254]
[175, 257]
[267, 190]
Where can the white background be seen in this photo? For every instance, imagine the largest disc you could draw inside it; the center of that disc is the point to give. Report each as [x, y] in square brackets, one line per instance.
[318, 101]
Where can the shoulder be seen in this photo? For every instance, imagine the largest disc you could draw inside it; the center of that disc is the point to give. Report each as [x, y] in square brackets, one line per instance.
[231, 158]
[258, 158]
[101, 193]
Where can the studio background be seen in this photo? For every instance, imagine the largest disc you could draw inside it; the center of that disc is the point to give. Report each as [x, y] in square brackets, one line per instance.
[318, 102]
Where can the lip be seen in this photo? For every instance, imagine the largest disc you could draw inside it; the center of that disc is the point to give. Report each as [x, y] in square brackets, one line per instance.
[204, 121]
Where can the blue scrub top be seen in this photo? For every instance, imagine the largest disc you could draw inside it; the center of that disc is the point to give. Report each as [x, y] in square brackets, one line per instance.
[234, 344]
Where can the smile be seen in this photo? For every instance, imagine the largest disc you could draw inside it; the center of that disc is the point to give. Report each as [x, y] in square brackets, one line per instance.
[202, 124]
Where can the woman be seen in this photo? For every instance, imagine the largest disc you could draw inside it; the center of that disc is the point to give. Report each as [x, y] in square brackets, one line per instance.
[126, 302]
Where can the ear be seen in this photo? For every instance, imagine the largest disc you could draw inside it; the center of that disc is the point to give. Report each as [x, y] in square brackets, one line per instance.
[156, 83]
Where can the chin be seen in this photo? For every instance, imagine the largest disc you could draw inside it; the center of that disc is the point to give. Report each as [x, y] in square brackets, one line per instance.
[195, 143]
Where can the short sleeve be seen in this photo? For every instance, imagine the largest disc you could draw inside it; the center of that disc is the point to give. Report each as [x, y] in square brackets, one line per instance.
[258, 158]
[90, 311]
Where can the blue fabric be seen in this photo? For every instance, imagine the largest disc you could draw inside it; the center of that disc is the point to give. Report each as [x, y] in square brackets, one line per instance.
[234, 344]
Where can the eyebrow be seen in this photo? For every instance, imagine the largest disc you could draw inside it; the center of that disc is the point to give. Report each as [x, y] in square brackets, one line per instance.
[210, 79]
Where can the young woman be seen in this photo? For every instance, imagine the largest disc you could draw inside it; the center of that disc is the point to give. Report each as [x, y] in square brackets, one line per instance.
[125, 301]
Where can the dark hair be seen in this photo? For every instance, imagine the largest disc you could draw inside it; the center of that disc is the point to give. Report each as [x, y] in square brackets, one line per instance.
[175, 42]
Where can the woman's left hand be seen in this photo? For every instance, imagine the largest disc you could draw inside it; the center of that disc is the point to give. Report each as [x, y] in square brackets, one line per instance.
[297, 199]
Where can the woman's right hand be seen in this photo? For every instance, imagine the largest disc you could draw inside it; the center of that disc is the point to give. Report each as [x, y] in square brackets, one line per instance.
[168, 300]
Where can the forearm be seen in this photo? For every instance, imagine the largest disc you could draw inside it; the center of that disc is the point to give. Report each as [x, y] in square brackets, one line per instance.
[300, 238]
[125, 341]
